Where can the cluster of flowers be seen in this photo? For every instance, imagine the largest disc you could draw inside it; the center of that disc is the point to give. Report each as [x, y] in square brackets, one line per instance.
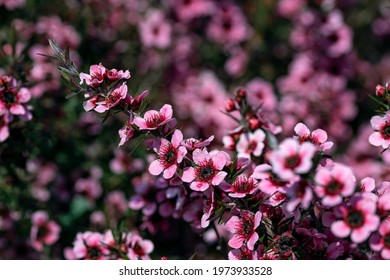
[284, 200]
[13, 99]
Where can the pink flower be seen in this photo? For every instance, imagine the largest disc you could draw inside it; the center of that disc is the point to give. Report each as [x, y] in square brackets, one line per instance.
[95, 77]
[359, 220]
[380, 241]
[251, 144]
[126, 132]
[207, 170]
[153, 119]
[155, 30]
[261, 94]
[381, 136]
[208, 208]
[318, 137]
[112, 99]
[292, 158]
[244, 229]
[187, 10]
[300, 193]
[192, 143]
[138, 248]
[333, 184]
[90, 246]
[114, 75]
[12, 97]
[241, 187]
[170, 155]
[43, 231]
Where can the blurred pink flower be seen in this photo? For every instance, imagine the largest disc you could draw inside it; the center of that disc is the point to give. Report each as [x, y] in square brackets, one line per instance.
[187, 10]
[380, 241]
[138, 248]
[43, 231]
[155, 30]
[4, 130]
[381, 136]
[251, 144]
[90, 246]
[12, 98]
[318, 137]
[260, 93]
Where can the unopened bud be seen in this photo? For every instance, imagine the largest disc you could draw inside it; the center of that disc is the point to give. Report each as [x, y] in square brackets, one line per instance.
[229, 105]
[380, 90]
[254, 123]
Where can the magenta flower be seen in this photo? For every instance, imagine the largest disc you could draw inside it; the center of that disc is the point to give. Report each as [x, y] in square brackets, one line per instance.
[43, 231]
[90, 246]
[12, 98]
[170, 155]
[207, 170]
[292, 158]
[153, 119]
[244, 229]
[138, 248]
[95, 77]
[241, 187]
[380, 241]
[381, 136]
[359, 220]
[112, 99]
[333, 184]
[318, 137]
[251, 144]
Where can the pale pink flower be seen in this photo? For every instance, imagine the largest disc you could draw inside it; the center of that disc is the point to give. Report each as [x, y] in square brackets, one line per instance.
[318, 137]
[43, 231]
[170, 155]
[208, 208]
[367, 184]
[113, 99]
[207, 170]
[380, 241]
[251, 144]
[126, 133]
[90, 187]
[138, 248]
[333, 184]
[89, 246]
[244, 229]
[300, 193]
[95, 76]
[292, 158]
[154, 119]
[155, 30]
[359, 220]
[381, 136]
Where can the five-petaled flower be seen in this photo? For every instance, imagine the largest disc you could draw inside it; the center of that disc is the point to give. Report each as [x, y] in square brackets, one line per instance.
[251, 144]
[95, 76]
[318, 137]
[170, 155]
[208, 169]
[381, 136]
[244, 228]
[154, 119]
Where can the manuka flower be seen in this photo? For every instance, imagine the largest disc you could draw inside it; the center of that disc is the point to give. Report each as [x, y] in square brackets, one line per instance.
[154, 119]
[43, 231]
[318, 137]
[170, 155]
[208, 169]
[380, 241]
[381, 136]
[112, 99]
[95, 77]
[244, 228]
[251, 144]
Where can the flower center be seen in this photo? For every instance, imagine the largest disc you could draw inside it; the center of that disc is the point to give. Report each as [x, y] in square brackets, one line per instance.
[9, 97]
[252, 147]
[285, 244]
[386, 131]
[168, 155]
[243, 185]
[247, 227]
[245, 255]
[155, 120]
[293, 161]
[206, 171]
[355, 219]
[138, 250]
[93, 253]
[42, 232]
[386, 240]
[333, 188]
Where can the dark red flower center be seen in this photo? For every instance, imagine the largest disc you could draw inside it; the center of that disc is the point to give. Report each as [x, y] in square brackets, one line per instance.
[285, 244]
[355, 219]
[42, 232]
[293, 161]
[93, 253]
[252, 147]
[333, 188]
[386, 240]
[385, 131]
[206, 171]
[168, 155]
[138, 250]
[155, 120]
[9, 97]
[245, 255]
[247, 226]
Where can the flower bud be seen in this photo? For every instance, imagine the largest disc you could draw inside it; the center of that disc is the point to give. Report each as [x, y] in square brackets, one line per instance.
[380, 90]
[253, 123]
[229, 105]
